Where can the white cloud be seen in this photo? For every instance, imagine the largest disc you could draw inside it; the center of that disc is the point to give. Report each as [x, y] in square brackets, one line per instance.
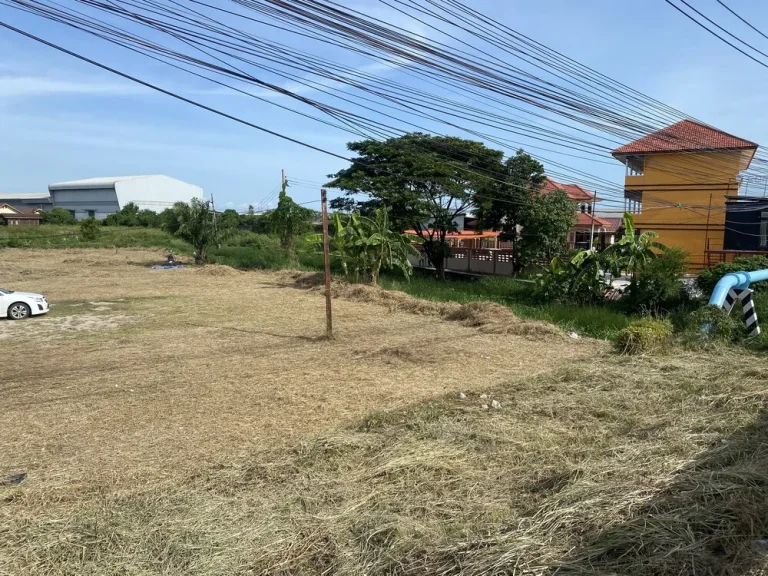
[26, 86]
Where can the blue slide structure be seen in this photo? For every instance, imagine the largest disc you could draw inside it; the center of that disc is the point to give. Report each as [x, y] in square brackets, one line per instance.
[735, 286]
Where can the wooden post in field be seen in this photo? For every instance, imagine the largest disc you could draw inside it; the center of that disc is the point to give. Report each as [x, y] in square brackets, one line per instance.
[327, 262]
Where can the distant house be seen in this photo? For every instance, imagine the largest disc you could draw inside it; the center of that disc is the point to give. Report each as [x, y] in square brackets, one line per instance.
[587, 224]
[26, 200]
[11, 216]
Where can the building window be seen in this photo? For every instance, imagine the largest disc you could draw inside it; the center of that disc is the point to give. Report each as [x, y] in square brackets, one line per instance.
[91, 213]
[635, 165]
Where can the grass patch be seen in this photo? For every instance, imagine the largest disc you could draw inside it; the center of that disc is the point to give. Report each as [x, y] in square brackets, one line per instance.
[595, 321]
[49, 236]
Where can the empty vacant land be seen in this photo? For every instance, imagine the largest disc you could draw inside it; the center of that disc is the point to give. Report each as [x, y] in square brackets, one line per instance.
[196, 422]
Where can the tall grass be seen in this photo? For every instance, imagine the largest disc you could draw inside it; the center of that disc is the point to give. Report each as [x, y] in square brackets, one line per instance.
[55, 236]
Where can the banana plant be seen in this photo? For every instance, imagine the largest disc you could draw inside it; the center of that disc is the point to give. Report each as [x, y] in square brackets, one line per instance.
[633, 250]
[384, 248]
[366, 245]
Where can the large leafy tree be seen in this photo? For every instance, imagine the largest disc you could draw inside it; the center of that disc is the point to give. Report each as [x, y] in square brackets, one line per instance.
[510, 206]
[423, 181]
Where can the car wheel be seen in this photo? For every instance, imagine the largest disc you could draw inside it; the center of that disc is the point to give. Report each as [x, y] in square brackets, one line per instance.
[18, 311]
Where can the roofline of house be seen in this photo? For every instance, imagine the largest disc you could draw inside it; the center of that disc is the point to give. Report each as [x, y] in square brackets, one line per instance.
[617, 154]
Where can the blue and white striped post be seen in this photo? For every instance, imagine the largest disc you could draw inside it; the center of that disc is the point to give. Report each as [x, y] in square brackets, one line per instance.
[735, 286]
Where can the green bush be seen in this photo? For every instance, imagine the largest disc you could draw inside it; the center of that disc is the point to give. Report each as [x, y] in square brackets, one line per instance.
[707, 279]
[58, 216]
[713, 323]
[644, 335]
[656, 286]
[89, 229]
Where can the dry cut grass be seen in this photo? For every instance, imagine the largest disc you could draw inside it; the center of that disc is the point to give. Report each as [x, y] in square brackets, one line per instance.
[274, 452]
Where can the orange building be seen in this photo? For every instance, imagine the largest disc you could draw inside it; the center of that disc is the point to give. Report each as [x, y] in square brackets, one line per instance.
[677, 183]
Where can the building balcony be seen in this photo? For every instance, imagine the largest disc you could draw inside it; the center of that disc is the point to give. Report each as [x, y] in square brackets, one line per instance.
[633, 201]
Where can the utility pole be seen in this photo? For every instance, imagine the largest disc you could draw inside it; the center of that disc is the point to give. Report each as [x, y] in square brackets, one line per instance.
[282, 180]
[215, 231]
[327, 262]
[592, 216]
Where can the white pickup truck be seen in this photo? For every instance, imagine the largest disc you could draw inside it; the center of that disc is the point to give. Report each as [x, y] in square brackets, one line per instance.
[20, 305]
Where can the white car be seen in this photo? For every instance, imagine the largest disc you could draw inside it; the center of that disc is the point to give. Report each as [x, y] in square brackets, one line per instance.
[20, 305]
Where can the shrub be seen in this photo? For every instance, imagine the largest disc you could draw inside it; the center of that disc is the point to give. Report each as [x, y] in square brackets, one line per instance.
[707, 279]
[714, 323]
[644, 335]
[89, 229]
[578, 280]
[656, 286]
[58, 216]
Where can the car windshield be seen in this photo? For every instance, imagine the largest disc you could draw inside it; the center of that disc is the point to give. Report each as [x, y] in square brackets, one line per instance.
[4, 291]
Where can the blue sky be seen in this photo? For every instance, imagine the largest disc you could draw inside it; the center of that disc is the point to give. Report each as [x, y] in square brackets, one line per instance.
[62, 119]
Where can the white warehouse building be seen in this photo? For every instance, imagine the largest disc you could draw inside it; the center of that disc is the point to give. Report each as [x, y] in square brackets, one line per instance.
[100, 197]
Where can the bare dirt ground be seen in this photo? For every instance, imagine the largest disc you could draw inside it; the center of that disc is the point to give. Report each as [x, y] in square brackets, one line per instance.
[140, 375]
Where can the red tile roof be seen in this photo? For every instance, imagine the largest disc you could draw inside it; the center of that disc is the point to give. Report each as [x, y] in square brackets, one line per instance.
[685, 136]
[613, 224]
[574, 191]
[466, 234]
[584, 219]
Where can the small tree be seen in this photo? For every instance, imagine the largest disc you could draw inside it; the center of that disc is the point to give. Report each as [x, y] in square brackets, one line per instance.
[198, 227]
[59, 216]
[90, 229]
[289, 220]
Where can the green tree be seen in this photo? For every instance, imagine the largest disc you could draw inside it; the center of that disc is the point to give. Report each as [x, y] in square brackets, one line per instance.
[59, 216]
[259, 223]
[169, 218]
[230, 218]
[148, 219]
[288, 221]
[128, 215]
[546, 226]
[90, 229]
[510, 206]
[198, 227]
[424, 182]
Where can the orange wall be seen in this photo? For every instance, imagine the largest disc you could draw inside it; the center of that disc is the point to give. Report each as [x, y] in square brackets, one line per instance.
[699, 182]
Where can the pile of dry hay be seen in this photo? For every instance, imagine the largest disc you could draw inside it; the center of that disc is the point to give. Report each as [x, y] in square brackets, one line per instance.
[489, 317]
